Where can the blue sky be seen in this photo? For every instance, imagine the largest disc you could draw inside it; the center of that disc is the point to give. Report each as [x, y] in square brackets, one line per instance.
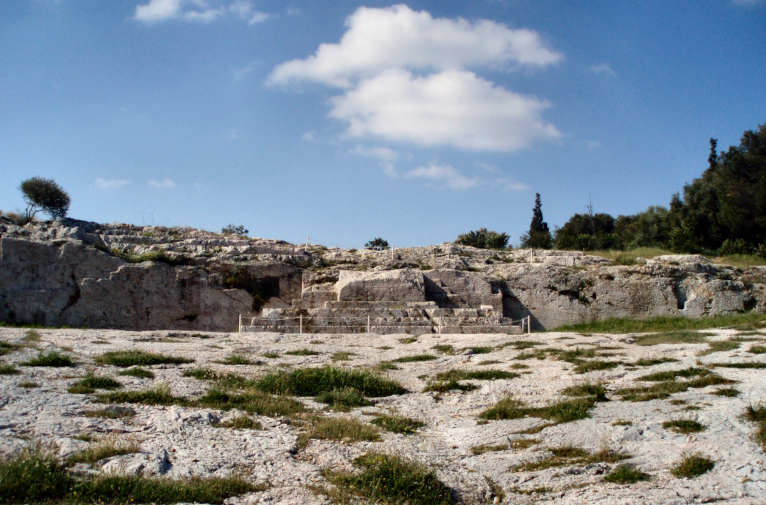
[347, 120]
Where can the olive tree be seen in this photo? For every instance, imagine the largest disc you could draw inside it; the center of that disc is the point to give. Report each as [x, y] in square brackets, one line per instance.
[44, 195]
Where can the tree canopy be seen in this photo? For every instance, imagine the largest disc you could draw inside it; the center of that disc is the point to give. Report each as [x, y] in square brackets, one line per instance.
[483, 239]
[44, 195]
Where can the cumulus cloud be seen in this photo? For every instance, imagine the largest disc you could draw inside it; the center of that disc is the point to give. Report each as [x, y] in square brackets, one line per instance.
[380, 39]
[102, 183]
[454, 107]
[164, 183]
[196, 10]
[445, 176]
[408, 77]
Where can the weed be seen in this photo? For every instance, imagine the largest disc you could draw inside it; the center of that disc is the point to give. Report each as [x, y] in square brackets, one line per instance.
[338, 428]
[585, 366]
[398, 424]
[241, 423]
[395, 480]
[28, 385]
[518, 366]
[159, 395]
[343, 399]
[237, 359]
[137, 372]
[684, 426]
[270, 355]
[692, 465]
[314, 381]
[653, 361]
[445, 349]
[536, 354]
[31, 336]
[316, 342]
[481, 449]
[90, 383]
[408, 340]
[50, 359]
[745, 365]
[125, 359]
[596, 390]
[730, 392]
[8, 369]
[105, 449]
[303, 352]
[484, 375]
[665, 323]
[203, 374]
[342, 356]
[449, 385]
[255, 402]
[534, 490]
[494, 362]
[415, 358]
[622, 422]
[719, 346]
[562, 412]
[385, 348]
[625, 474]
[6, 348]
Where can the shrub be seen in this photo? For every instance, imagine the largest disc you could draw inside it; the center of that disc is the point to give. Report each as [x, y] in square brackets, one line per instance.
[377, 244]
[693, 465]
[625, 474]
[234, 230]
[684, 426]
[483, 239]
[46, 195]
[51, 359]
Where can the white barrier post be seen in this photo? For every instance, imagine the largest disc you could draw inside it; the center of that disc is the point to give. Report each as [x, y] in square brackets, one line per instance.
[301, 324]
[522, 325]
[529, 324]
[368, 323]
[392, 253]
[307, 242]
[240, 323]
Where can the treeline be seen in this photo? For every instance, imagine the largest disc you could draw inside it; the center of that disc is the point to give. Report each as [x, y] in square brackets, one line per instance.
[723, 212]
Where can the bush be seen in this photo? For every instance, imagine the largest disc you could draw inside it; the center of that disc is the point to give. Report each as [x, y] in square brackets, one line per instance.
[377, 244]
[234, 230]
[46, 195]
[483, 239]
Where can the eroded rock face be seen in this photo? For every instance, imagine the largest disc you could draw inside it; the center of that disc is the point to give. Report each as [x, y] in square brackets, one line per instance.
[404, 285]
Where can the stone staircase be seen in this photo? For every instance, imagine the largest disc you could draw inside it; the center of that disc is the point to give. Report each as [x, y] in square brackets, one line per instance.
[381, 317]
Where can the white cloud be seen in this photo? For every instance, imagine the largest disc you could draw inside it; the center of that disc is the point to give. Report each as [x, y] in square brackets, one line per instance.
[486, 166]
[398, 37]
[602, 69]
[444, 174]
[380, 153]
[449, 108]
[102, 183]
[511, 185]
[196, 10]
[309, 137]
[164, 183]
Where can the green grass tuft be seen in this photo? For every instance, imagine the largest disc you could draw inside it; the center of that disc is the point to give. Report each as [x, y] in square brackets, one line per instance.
[255, 402]
[745, 365]
[125, 359]
[315, 381]
[398, 424]
[693, 465]
[483, 375]
[449, 385]
[303, 352]
[684, 426]
[339, 428]
[7, 348]
[483, 449]
[159, 395]
[6, 369]
[50, 359]
[653, 361]
[343, 399]
[444, 349]
[674, 337]
[137, 372]
[408, 340]
[562, 412]
[236, 359]
[90, 383]
[342, 356]
[757, 414]
[103, 450]
[729, 392]
[625, 474]
[719, 346]
[241, 423]
[595, 390]
[415, 358]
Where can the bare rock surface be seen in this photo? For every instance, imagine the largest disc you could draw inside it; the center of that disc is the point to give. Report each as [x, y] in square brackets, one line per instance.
[482, 461]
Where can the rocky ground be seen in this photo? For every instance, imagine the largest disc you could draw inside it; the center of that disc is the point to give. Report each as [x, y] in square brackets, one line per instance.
[484, 460]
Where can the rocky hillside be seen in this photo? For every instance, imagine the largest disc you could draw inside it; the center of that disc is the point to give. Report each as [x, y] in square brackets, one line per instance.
[84, 274]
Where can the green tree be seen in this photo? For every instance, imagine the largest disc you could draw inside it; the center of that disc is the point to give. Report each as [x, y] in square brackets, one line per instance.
[377, 244]
[44, 195]
[650, 228]
[483, 239]
[538, 236]
[587, 232]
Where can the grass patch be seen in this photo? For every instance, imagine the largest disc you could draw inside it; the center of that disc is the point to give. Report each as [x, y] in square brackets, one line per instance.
[415, 358]
[241, 423]
[237, 359]
[103, 450]
[50, 359]
[568, 455]
[270, 355]
[674, 337]
[757, 349]
[684, 426]
[757, 414]
[338, 428]
[254, 402]
[6, 369]
[595, 390]
[445, 349]
[343, 399]
[482, 375]
[518, 366]
[495, 362]
[653, 361]
[719, 346]
[522, 344]
[7, 348]
[693, 465]
[393, 479]
[137, 372]
[668, 387]
[536, 354]
[482, 449]
[303, 352]
[342, 356]
[28, 385]
[622, 422]
[159, 395]
[90, 383]
[408, 340]
[111, 412]
[398, 424]
[385, 366]
[670, 375]
[524, 443]
[747, 364]
[729, 392]
[31, 336]
[666, 324]
[562, 412]
[625, 474]
[35, 476]
[315, 381]
[449, 385]
[125, 359]
[478, 350]
[585, 366]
